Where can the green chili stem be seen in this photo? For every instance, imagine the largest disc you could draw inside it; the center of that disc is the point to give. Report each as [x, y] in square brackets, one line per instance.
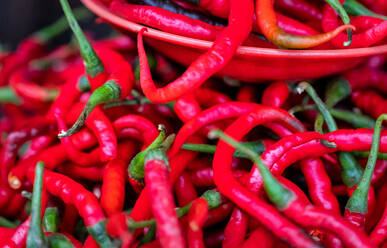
[121, 103]
[358, 202]
[136, 166]
[277, 193]
[93, 63]
[108, 92]
[149, 236]
[351, 170]
[35, 237]
[7, 95]
[357, 9]
[364, 154]
[51, 219]
[58, 240]
[212, 196]
[357, 120]
[339, 9]
[257, 146]
[6, 223]
[61, 25]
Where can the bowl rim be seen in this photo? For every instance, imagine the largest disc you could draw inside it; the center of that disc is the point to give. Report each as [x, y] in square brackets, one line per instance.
[102, 11]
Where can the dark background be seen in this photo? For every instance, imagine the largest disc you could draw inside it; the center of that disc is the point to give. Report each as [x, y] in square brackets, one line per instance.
[19, 18]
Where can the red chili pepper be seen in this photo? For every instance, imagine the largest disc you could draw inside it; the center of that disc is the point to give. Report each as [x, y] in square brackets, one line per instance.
[18, 236]
[236, 229]
[247, 93]
[299, 8]
[113, 186]
[184, 189]
[117, 227]
[364, 39]
[294, 207]
[203, 177]
[196, 217]
[118, 75]
[161, 199]
[370, 101]
[268, 23]
[70, 216]
[275, 94]
[92, 174]
[147, 129]
[259, 236]
[213, 60]
[363, 78]
[71, 192]
[357, 205]
[90, 243]
[219, 214]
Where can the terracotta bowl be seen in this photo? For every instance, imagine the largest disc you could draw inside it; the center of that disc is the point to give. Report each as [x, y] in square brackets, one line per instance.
[252, 64]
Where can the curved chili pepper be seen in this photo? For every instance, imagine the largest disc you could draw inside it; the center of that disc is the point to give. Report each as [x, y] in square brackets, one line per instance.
[253, 205]
[213, 60]
[147, 129]
[17, 237]
[160, 194]
[364, 39]
[204, 177]
[351, 171]
[357, 207]
[289, 203]
[78, 157]
[35, 237]
[268, 24]
[236, 229]
[196, 217]
[15, 140]
[118, 75]
[86, 203]
[370, 101]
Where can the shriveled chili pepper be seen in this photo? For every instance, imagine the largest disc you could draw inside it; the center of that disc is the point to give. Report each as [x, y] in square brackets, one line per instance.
[357, 205]
[268, 24]
[196, 217]
[232, 36]
[293, 207]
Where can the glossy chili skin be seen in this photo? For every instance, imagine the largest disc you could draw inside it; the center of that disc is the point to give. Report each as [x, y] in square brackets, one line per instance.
[370, 102]
[268, 23]
[236, 229]
[232, 36]
[364, 39]
[197, 215]
[163, 207]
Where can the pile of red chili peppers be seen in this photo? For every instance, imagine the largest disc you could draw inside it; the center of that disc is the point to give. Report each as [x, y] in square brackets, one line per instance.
[93, 153]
